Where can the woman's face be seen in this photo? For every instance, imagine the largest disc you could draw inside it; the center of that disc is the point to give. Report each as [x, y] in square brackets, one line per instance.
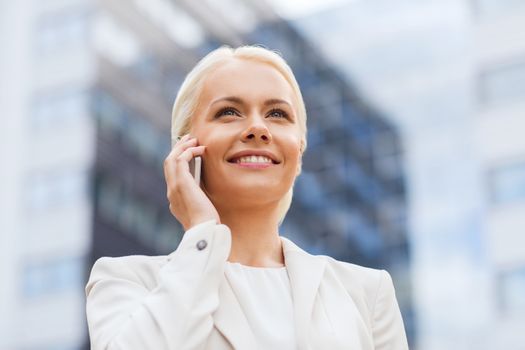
[247, 118]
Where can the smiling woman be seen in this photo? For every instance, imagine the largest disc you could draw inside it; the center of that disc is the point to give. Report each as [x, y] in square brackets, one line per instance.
[224, 84]
[234, 282]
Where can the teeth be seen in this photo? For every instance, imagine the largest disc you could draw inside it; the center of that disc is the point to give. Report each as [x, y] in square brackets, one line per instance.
[254, 159]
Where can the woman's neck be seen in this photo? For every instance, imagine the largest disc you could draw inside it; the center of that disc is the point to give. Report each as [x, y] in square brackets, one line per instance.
[255, 236]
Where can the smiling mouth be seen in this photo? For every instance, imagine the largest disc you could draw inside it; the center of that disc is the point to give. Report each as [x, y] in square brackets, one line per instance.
[260, 160]
[252, 165]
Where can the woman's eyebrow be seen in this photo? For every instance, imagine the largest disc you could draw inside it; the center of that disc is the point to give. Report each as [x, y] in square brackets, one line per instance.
[274, 101]
[238, 100]
[233, 99]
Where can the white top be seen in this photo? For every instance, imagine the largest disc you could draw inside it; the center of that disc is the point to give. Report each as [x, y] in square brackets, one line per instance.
[265, 296]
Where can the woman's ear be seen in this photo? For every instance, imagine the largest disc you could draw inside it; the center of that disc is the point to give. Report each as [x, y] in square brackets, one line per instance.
[300, 162]
[299, 166]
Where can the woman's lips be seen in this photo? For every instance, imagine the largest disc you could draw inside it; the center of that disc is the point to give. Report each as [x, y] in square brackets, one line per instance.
[252, 165]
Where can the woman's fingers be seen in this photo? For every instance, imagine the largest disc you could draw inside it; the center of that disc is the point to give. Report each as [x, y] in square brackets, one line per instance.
[182, 168]
[187, 202]
[182, 144]
[190, 153]
[176, 164]
[179, 147]
[169, 161]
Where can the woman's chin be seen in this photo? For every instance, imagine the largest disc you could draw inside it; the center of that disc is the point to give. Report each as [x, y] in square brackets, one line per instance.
[252, 193]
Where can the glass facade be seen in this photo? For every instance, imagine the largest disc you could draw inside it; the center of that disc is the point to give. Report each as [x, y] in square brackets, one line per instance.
[511, 290]
[450, 74]
[507, 183]
[57, 188]
[63, 106]
[61, 30]
[129, 188]
[503, 83]
[52, 277]
[495, 8]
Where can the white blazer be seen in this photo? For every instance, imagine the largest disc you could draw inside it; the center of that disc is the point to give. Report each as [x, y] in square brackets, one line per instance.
[184, 301]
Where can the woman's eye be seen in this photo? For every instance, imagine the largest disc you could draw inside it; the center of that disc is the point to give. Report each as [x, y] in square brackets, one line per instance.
[277, 113]
[227, 111]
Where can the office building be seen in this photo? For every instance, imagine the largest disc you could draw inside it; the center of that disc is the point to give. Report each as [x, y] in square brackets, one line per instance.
[89, 88]
[451, 75]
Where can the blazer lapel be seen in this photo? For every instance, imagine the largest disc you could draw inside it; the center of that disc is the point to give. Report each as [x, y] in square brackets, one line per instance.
[305, 272]
[230, 320]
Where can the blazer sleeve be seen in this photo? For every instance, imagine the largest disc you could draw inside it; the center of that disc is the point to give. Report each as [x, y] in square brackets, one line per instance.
[388, 329]
[123, 313]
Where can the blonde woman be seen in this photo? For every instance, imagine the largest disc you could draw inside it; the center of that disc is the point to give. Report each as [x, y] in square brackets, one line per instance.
[233, 281]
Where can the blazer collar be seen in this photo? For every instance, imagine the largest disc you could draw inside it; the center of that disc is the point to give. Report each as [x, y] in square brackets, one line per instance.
[230, 320]
[305, 272]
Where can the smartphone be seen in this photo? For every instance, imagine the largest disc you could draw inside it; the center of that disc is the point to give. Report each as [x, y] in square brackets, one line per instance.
[195, 169]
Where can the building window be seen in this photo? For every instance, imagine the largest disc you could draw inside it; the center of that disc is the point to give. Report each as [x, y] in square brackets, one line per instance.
[173, 20]
[108, 194]
[168, 235]
[389, 166]
[507, 183]
[54, 188]
[309, 191]
[244, 20]
[62, 30]
[61, 107]
[492, 8]
[114, 42]
[502, 84]
[142, 138]
[132, 214]
[110, 115]
[132, 130]
[511, 289]
[51, 277]
[391, 218]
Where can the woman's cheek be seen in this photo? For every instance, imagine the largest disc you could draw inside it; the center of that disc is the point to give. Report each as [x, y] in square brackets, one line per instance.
[296, 145]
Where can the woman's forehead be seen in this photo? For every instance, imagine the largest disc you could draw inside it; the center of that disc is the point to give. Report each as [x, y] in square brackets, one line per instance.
[248, 79]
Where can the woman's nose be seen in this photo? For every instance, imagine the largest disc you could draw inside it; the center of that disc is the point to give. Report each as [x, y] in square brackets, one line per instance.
[257, 131]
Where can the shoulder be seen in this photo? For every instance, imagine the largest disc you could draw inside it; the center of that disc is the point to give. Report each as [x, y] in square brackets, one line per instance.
[145, 271]
[376, 289]
[359, 281]
[364, 276]
[140, 269]
[364, 282]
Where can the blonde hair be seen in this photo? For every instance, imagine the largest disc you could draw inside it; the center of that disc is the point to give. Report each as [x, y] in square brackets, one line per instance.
[189, 93]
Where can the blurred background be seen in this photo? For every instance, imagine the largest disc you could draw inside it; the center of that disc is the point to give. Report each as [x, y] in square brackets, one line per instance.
[416, 158]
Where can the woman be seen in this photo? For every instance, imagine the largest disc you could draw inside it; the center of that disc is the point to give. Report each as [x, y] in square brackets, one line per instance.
[233, 281]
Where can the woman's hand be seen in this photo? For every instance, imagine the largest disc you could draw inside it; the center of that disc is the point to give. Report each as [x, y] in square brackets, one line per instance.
[188, 203]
